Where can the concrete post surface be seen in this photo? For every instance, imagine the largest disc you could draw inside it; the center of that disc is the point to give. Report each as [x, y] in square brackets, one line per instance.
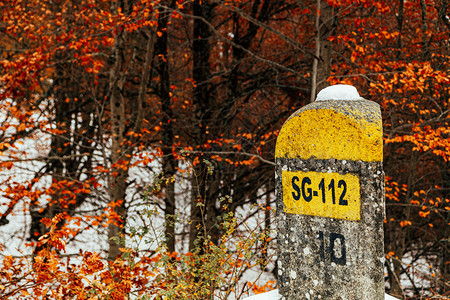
[330, 202]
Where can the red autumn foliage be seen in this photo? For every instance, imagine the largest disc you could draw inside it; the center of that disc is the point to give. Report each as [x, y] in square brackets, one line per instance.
[100, 99]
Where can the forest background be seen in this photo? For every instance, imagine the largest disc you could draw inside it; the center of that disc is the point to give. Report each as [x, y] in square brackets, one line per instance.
[137, 139]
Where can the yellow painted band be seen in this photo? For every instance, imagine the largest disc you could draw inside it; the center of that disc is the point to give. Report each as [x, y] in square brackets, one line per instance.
[353, 132]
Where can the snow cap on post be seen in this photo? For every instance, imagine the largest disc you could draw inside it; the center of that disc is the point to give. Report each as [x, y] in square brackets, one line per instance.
[330, 199]
[339, 92]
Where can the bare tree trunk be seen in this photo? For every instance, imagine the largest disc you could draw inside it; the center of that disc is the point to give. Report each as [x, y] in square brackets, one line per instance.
[322, 62]
[403, 239]
[425, 41]
[169, 163]
[400, 16]
[201, 99]
[121, 152]
[445, 241]
[127, 114]
[118, 175]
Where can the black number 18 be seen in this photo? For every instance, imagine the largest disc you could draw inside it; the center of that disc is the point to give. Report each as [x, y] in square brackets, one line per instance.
[338, 259]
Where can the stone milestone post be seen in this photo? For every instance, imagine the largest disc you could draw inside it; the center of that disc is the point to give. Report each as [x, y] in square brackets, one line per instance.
[330, 199]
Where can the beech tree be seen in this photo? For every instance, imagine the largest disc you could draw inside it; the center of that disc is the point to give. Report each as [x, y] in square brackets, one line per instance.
[179, 103]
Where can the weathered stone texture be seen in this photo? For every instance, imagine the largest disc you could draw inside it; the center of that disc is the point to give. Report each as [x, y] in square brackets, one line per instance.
[325, 257]
[302, 272]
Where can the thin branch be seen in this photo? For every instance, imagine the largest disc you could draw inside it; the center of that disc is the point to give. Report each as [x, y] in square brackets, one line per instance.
[45, 158]
[317, 55]
[221, 37]
[271, 29]
[235, 153]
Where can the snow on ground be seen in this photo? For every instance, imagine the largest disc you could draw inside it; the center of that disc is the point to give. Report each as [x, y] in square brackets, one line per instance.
[339, 92]
[273, 295]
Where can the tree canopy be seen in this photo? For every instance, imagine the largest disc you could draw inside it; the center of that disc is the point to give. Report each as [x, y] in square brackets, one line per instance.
[108, 107]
